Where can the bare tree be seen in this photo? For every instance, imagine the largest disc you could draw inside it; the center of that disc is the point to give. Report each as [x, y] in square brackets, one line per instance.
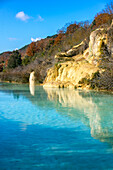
[109, 8]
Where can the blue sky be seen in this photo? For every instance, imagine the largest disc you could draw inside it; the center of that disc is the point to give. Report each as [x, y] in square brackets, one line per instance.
[22, 21]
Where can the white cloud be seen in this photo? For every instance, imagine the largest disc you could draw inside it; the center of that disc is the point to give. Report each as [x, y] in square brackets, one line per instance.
[12, 39]
[16, 49]
[40, 18]
[36, 39]
[22, 16]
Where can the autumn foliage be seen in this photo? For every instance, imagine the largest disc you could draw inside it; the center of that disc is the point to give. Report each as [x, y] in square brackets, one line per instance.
[71, 28]
[59, 37]
[31, 50]
[68, 36]
[102, 18]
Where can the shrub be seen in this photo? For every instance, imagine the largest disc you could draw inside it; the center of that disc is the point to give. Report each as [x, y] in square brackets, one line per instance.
[14, 60]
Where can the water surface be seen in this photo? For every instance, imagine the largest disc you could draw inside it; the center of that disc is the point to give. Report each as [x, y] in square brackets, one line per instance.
[55, 128]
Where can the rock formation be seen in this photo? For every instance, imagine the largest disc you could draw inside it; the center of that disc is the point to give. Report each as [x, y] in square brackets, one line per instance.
[87, 65]
[78, 49]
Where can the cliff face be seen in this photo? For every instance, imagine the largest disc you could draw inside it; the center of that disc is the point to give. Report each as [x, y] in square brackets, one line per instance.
[101, 45]
[87, 65]
[70, 74]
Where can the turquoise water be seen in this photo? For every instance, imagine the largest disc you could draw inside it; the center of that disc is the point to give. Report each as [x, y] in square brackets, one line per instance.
[55, 128]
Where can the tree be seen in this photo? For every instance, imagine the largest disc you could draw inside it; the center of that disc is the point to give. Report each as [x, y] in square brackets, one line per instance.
[14, 60]
[31, 50]
[59, 37]
[100, 19]
[26, 60]
[72, 28]
[1, 67]
[109, 9]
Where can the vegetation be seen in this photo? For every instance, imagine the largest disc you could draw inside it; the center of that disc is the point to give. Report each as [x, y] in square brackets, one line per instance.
[14, 60]
[1, 67]
[39, 55]
[31, 50]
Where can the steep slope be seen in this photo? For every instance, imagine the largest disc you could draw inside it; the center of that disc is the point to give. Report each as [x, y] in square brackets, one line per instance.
[87, 65]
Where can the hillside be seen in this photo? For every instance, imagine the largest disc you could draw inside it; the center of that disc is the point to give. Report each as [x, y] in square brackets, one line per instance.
[86, 65]
[39, 56]
[72, 47]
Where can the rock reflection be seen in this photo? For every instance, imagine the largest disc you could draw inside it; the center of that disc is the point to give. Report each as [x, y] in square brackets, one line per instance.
[32, 83]
[93, 110]
[32, 88]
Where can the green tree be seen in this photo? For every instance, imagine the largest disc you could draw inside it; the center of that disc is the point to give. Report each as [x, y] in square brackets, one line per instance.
[26, 60]
[14, 60]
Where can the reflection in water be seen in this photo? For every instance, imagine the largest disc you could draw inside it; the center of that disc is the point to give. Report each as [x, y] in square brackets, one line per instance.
[51, 129]
[32, 88]
[93, 110]
[32, 83]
